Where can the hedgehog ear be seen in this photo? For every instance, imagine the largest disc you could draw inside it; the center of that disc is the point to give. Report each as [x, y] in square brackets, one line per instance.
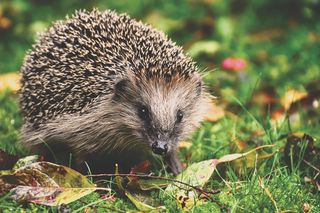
[121, 87]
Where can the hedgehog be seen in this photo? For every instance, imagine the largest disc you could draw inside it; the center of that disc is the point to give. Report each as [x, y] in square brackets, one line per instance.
[109, 89]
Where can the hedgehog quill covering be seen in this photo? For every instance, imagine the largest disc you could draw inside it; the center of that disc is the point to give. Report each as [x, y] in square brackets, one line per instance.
[109, 89]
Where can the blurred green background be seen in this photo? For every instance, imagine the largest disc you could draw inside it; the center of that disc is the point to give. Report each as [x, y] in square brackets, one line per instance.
[278, 40]
[278, 45]
[282, 32]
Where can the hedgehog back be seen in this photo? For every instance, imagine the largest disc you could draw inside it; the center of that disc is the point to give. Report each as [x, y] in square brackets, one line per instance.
[78, 60]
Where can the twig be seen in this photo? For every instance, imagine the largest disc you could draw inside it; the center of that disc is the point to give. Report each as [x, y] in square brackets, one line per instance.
[159, 178]
[312, 166]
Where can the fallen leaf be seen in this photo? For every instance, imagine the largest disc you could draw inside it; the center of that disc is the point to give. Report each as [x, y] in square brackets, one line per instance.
[5, 23]
[162, 22]
[197, 174]
[148, 184]
[207, 47]
[278, 115]
[47, 184]
[142, 202]
[142, 167]
[266, 35]
[314, 37]
[187, 201]
[306, 207]
[25, 161]
[265, 96]
[184, 144]
[10, 81]
[290, 97]
[235, 156]
[49, 196]
[215, 113]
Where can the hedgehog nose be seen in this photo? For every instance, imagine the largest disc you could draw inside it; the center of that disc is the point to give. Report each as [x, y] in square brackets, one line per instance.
[160, 147]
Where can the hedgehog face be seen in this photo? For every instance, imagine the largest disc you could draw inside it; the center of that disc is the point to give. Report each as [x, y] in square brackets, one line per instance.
[160, 112]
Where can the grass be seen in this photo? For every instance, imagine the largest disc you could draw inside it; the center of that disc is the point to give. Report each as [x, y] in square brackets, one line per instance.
[282, 51]
[241, 189]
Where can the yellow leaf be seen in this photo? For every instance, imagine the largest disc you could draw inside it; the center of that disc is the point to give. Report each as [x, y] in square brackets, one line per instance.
[10, 81]
[231, 157]
[187, 201]
[235, 156]
[184, 144]
[215, 113]
[290, 97]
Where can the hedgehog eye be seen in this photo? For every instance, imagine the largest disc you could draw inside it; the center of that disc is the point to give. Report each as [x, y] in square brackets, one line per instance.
[143, 112]
[179, 116]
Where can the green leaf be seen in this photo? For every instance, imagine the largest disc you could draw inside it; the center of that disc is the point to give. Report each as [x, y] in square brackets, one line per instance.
[146, 184]
[25, 161]
[196, 175]
[142, 202]
[207, 47]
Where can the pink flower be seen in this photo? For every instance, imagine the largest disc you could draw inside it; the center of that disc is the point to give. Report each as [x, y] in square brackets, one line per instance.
[234, 64]
[227, 64]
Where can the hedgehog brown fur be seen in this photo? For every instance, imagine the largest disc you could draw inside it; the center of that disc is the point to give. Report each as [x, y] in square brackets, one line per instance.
[89, 78]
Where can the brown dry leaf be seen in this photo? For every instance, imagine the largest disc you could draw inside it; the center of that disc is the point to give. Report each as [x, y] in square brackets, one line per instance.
[313, 37]
[290, 97]
[277, 116]
[266, 35]
[306, 207]
[5, 23]
[10, 81]
[267, 95]
[215, 113]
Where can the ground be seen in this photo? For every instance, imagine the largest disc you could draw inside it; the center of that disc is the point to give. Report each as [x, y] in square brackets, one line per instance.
[261, 62]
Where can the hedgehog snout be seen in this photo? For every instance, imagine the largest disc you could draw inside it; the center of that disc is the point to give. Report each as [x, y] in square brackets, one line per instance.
[159, 147]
